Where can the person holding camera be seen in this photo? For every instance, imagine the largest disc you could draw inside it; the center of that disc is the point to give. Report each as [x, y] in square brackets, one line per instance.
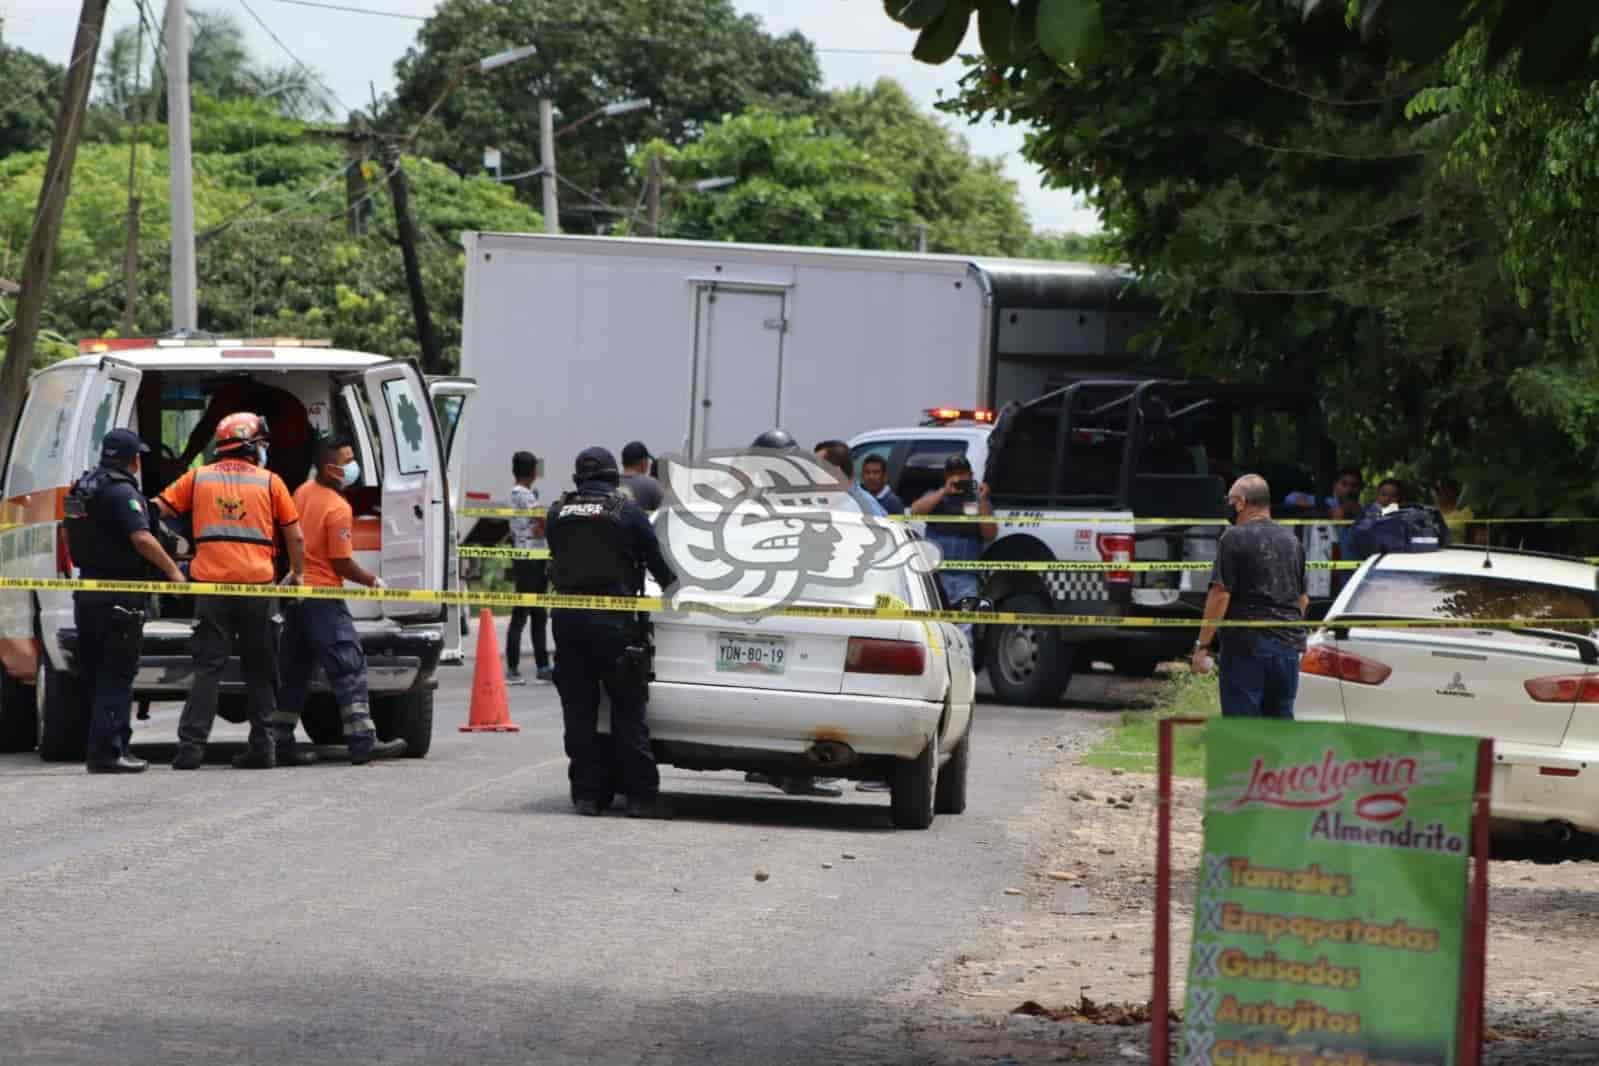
[959, 541]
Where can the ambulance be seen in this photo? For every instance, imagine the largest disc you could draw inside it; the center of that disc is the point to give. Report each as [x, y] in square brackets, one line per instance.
[173, 393]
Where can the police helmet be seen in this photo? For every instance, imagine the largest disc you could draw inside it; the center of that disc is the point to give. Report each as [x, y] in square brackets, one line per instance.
[778, 440]
[596, 464]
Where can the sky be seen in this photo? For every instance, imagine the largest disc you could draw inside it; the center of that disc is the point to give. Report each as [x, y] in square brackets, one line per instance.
[353, 52]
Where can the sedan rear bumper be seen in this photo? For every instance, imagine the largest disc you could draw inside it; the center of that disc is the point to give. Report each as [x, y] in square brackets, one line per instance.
[772, 722]
[1541, 785]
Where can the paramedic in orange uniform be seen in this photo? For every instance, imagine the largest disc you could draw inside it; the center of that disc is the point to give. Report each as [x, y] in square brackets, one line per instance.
[238, 507]
[322, 631]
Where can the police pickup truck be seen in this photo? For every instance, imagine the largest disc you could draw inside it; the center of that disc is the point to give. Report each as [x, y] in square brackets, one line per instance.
[173, 393]
[1095, 473]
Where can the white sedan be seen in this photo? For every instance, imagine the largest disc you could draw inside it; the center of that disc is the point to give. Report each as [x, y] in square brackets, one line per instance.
[871, 699]
[1535, 692]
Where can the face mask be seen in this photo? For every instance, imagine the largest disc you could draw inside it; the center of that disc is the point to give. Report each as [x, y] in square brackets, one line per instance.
[349, 474]
[1232, 513]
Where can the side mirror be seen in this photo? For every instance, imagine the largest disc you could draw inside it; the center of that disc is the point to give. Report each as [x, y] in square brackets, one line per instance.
[980, 604]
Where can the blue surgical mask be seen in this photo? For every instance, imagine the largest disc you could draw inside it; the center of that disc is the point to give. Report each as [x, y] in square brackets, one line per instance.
[349, 474]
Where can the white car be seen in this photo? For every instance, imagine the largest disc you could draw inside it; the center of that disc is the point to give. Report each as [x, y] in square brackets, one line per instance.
[1535, 692]
[868, 699]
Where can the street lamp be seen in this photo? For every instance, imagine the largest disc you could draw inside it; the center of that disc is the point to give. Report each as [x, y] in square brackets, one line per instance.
[481, 66]
[547, 135]
[708, 184]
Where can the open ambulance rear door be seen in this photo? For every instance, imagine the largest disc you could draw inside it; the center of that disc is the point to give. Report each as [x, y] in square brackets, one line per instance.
[450, 396]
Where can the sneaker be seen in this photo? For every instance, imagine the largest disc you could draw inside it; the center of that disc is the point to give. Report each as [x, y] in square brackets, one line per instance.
[265, 759]
[513, 678]
[122, 764]
[810, 786]
[546, 673]
[188, 758]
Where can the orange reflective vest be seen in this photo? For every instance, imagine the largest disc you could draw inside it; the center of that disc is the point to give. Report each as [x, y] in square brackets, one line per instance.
[237, 509]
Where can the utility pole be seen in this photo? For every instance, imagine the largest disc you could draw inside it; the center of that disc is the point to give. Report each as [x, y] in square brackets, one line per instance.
[356, 205]
[552, 211]
[130, 254]
[185, 309]
[37, 259]
[400, 192]
[653, 227]
[921, 238]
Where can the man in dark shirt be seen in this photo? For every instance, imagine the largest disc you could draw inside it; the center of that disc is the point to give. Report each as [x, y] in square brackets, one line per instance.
[637, 482]
[1259, 576]
[874, 479]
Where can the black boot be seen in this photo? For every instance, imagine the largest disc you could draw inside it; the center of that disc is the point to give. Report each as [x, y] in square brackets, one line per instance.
[364, 747]
[256, 759]
[189, 757]
[122, 764]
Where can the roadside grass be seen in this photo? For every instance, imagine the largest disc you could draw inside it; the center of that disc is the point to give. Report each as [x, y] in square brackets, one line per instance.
[1131, 746]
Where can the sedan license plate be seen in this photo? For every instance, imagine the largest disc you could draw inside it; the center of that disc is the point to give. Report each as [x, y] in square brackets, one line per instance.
[750, 655]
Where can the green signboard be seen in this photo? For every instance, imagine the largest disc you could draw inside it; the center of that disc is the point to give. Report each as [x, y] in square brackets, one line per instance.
[1330, 917]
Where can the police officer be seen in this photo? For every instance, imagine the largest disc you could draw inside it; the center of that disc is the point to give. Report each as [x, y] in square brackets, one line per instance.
[239, 508]
[108, 533]
[599, 540]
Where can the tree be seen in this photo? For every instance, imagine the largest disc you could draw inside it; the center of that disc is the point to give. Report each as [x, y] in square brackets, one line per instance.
[696, 60]
[1259, 169]
[866, 170]
[27, 106]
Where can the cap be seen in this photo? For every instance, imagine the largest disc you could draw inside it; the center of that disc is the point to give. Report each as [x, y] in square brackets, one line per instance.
[635, 452]
[121, 445]
[958, 461]
[595, 464]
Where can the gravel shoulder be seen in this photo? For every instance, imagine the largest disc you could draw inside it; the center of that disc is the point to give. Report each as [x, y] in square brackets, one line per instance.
[1084, 936]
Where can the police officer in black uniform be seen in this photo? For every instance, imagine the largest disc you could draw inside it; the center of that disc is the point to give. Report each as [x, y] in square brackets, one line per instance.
[109, 535]
[599, 542]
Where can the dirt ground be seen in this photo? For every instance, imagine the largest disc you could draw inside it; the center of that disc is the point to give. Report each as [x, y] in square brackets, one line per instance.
[1087, 925]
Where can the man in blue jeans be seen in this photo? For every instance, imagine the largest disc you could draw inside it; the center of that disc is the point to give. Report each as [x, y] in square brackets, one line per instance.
[1259, 576]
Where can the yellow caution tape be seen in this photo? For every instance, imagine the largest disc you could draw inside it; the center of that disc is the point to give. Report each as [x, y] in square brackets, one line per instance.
[1151, 566]
[503, 512]
[655, 604]
[473, 551]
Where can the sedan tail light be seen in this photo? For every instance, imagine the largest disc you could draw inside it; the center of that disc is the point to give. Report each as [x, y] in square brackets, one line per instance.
[1574, 688]
[1116, 548]
[868, 655]
[1324, 660]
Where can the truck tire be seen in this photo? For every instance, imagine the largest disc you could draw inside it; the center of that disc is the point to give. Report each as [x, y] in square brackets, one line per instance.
[407, 717]
[320, 719]
[63, 727]
[951, 794]
[1028, 665]
[913, 787]
[19, 718]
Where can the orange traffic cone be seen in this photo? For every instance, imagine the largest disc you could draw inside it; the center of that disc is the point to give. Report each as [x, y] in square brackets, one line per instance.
[491, 707]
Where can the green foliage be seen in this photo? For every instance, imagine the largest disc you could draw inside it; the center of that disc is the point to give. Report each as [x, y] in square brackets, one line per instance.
[274, 254]
[28, 101]
[868, 170]
[696, 60]
[1134, 744]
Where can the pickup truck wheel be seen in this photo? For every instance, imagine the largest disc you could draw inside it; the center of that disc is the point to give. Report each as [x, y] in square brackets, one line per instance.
[19, 720]
[407, 717]
[913, 787]
[1029, 665]
[951, 794]
[63, 728]
[320, 719]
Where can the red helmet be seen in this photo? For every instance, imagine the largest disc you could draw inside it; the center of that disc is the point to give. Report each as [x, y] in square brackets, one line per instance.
[240, 430]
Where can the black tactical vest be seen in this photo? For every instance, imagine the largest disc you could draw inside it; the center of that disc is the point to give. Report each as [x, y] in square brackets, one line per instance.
[588, 554]
[99, 547]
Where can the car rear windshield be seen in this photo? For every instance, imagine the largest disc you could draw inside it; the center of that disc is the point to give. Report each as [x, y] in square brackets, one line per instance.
[1474, 597]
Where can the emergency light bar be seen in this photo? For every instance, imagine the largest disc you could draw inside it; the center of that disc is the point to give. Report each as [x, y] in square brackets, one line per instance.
[101, 346]
[955, 414]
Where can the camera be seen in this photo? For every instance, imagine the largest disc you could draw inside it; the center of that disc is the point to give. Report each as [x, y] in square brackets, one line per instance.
[966, 489]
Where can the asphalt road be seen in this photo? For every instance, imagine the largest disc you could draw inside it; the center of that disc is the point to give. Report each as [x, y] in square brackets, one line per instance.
[453, 909]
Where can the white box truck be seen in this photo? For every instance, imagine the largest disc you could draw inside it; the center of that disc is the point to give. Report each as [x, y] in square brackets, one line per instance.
[690, 345]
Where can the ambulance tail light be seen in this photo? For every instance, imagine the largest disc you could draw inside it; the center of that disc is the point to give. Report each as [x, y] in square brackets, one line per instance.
[63, 553]
[1116, 548]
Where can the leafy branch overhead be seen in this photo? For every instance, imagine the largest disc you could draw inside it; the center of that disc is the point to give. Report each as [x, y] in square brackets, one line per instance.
[1552, 38]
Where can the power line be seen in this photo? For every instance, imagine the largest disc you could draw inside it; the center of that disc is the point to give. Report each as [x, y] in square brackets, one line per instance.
[288, 52]
[327, 6]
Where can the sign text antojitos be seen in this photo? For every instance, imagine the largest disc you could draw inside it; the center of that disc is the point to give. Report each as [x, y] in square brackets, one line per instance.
[1330, 921]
